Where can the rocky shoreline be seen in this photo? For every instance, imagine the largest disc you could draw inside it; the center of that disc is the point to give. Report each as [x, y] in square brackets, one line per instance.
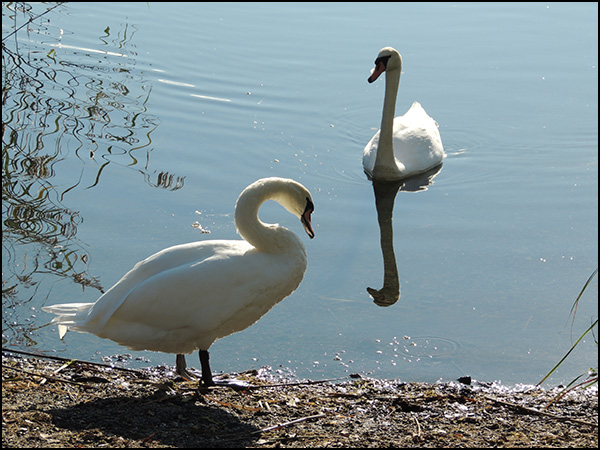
[49, 403]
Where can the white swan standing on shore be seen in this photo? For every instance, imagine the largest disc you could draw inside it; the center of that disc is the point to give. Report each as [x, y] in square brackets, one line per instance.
[406, 145]
[185, 297]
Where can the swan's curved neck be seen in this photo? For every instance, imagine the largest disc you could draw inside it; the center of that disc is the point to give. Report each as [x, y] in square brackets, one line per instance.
[264, 237]
[385, 150]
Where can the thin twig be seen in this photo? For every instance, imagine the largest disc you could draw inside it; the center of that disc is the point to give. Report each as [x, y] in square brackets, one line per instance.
[31, 20]
[46, 377]
[418, 434]
[286, 424]
[540, 413]
[299, 383]
[71, 360]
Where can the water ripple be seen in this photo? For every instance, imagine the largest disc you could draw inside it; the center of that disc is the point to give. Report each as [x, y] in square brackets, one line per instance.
[65, 107]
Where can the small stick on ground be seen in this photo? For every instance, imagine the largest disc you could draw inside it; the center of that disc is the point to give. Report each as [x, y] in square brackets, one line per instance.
[286, 424]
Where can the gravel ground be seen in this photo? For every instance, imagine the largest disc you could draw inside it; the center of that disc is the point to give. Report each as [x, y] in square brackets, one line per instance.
[48, 403]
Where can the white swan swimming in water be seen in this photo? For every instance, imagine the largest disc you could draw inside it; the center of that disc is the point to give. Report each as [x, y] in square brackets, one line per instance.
[185, 297]
[406, 145]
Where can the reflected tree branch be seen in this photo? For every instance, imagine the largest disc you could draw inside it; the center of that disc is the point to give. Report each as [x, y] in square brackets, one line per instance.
[62, 107]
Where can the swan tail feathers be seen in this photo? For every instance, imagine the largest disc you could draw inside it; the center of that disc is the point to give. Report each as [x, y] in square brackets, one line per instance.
[68, 315]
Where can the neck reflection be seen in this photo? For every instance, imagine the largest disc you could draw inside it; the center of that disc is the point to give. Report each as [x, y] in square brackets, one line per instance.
[385, 196]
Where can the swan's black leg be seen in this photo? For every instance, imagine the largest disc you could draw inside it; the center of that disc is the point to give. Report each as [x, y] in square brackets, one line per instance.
[207, 379]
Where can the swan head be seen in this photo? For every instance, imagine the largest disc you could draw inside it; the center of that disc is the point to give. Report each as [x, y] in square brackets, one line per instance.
[388, 60]
[296, 199]
[290, 194]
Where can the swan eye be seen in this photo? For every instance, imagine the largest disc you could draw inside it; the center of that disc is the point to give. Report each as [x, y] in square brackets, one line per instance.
[382, 60]
[309, 205]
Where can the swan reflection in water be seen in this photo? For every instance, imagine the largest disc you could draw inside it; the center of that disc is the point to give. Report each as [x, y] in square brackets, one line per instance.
[385, 195]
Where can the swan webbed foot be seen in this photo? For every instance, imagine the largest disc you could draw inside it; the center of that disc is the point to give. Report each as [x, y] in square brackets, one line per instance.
[236, 385]
[205, 379]
[208, 380]
[181, 369]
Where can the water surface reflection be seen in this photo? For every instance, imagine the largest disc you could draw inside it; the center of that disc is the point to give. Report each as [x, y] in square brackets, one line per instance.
[68, 114]
[385, 196]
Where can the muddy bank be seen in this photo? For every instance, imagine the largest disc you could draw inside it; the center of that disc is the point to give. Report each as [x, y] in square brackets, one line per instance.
[47, 403]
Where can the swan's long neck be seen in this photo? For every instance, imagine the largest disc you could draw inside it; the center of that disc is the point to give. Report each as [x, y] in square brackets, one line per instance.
[385, 150]
[264, 237]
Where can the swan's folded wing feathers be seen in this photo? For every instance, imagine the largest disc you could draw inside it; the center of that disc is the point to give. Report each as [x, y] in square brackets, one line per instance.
[195, 294]
[203, 300]
[174, 256]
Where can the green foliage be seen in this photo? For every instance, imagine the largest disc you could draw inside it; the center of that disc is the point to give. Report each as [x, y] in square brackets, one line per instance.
[591, 376]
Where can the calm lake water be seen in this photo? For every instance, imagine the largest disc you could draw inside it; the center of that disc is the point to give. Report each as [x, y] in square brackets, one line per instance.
[131, 127]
